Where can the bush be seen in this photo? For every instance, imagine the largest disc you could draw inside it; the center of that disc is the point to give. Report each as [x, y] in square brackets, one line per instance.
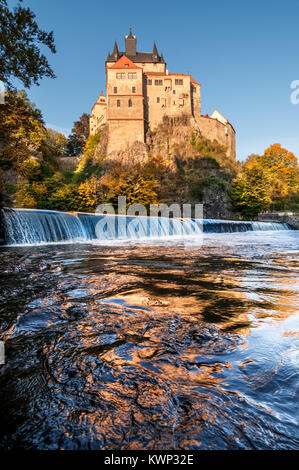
[30, 169]
[90, 194]
[65, 198]
[24, 198]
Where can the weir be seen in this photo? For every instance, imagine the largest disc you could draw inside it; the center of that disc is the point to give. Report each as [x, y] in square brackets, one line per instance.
[33, 226]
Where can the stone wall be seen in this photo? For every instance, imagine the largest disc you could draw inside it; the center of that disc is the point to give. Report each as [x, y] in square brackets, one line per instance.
[168, 98]
[213, 129]
[175, 139]
[99, 115]
[122, 134]
[281, 217]
[68, 163]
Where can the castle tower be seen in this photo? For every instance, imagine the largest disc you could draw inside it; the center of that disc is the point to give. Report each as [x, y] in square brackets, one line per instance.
[141, 91]
[125, 104]
[131, 43]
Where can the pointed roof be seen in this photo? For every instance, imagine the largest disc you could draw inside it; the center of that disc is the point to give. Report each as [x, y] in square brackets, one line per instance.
[132, 54]
[155, 50]
[130, 33]
[115, 50]
[124, 63]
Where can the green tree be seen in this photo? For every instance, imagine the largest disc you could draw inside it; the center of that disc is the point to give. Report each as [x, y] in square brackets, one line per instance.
[77, 139]
[22, 129]
[56, 143]
[20, 42]
[251, 192]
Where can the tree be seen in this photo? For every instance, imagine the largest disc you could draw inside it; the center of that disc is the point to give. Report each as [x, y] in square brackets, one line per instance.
[91, 194]
[20, 41]
[266, 181]
[56, 143]
[138, 188]
[251, 192]
[22, 129]
[77, 139]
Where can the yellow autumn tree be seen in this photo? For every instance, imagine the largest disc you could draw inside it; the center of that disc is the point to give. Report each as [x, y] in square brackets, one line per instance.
[138, 188]
[268, 181]
[90, 194]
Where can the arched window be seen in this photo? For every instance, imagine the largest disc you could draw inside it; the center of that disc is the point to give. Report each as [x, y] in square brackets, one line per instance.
[130, 104]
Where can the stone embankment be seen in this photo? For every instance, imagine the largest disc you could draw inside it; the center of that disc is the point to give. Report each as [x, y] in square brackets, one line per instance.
[283, 217]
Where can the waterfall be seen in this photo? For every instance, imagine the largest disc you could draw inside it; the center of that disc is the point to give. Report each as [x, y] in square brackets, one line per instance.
[31, 227]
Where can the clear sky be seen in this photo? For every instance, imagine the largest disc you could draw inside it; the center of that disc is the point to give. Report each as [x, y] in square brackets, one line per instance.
[244, 53]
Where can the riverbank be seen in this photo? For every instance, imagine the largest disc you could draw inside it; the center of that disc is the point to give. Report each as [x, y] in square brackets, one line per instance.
[281, 217]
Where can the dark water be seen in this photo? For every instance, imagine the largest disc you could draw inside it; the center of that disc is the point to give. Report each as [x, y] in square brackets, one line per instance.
[151, 345]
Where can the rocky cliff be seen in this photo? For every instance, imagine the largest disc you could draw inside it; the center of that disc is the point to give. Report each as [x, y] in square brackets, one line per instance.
[202, 169]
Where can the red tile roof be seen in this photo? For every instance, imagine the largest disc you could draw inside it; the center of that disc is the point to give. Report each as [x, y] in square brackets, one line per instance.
[185, 74]
[193, 81]
[154, 73]
[124, 63]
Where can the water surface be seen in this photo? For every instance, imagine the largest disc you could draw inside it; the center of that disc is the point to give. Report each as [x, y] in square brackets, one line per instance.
[151, 345]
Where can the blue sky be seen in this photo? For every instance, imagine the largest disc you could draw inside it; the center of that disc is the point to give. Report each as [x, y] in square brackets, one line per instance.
[244, 54]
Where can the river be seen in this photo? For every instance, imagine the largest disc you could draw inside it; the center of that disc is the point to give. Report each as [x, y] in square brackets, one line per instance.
[151, 344]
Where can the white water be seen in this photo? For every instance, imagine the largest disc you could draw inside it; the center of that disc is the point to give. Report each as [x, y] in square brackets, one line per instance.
[33, 227]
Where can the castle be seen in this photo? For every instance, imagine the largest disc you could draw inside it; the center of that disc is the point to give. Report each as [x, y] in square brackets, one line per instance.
[141, 91]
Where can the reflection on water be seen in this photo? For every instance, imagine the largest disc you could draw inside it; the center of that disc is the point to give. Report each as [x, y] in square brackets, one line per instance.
[151, 345]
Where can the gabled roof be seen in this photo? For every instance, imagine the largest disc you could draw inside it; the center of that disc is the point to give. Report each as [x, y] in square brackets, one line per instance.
[193, 81]
[124, 63]
[140, 57]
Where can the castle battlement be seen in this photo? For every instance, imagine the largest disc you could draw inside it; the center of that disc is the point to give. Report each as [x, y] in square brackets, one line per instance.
[140, 92]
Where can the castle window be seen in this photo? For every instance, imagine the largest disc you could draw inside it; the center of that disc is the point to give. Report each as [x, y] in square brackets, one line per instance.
[115, 89]
[132, 75]
[121, 75]
[158, 100]
[149, 82]
[159, 82]
[133, 89]
[173, 92]
[179, 81]
[130, 103]
[173, 102]
[194, 89]
[118, 103]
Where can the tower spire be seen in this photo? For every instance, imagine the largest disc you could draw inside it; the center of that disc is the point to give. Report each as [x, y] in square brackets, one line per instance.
[155, 51]
[115, 52]
[130, 41]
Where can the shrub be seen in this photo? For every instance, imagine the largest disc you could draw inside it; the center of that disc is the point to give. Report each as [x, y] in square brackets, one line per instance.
[65, 198]
[24, 198]
[30, 169]
[90, 194]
